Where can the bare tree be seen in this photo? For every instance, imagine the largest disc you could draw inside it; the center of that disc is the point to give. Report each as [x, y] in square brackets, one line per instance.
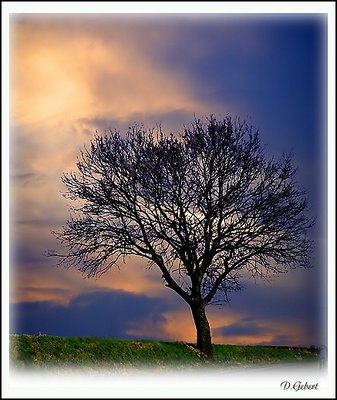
[206, 207]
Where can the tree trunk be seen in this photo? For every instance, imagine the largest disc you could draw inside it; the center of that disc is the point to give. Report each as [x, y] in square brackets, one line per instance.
[204, 342]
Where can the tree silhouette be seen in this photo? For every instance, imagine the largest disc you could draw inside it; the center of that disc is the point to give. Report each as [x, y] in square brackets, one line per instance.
[206, 207]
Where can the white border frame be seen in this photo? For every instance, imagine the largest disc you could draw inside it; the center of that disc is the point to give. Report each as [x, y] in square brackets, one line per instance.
[176, 386]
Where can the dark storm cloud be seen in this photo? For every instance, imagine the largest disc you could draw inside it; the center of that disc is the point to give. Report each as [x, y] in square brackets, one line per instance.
[276, 302]
[265, 306]
[272, 69]
[250, 327]
[98, 314]
[243, 327]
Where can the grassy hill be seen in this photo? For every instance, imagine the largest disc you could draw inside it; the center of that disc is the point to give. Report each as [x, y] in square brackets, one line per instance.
[41, 351]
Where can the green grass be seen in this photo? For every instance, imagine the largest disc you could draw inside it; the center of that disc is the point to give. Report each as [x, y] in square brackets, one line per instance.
[41, 351]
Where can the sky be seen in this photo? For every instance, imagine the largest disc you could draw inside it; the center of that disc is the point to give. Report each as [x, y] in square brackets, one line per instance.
[71, 75]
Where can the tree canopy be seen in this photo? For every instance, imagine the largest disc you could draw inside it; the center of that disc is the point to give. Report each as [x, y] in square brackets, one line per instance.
[205, 206]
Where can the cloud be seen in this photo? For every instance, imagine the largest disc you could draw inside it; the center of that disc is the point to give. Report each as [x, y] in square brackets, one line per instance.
[55, 295]
[90, 70]
[24, 177]
[177, 324]
[32, 271]
[171, 121]
[249, 330]
[102, 313]
[244, 327]
[246, 321]
[99, 314]
[262, 313]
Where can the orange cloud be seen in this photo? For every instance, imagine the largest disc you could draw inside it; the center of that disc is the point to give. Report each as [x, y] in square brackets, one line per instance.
[178, 326]
[46, 282]
[62, 71]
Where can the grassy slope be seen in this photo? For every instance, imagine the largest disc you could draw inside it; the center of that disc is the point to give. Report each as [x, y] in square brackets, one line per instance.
[43, 350]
